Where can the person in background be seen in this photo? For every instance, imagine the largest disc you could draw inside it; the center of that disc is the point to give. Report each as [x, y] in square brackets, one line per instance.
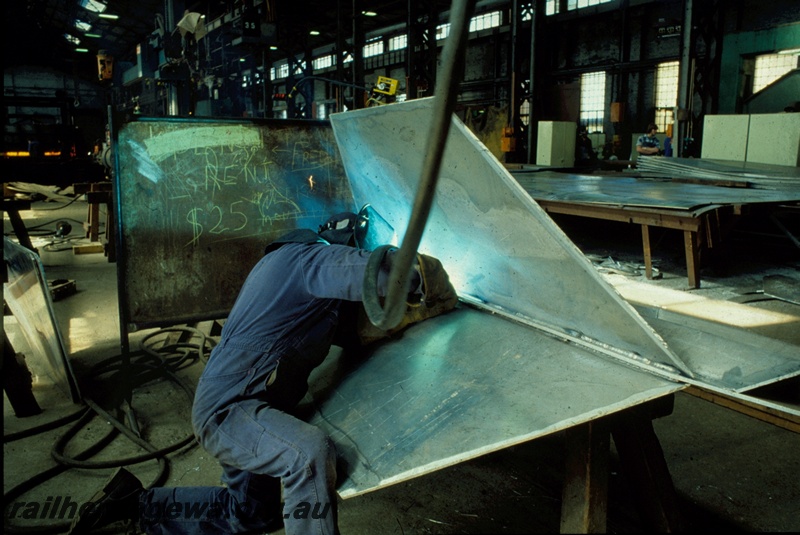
[584, 152]
[304, 295]
[648, 144]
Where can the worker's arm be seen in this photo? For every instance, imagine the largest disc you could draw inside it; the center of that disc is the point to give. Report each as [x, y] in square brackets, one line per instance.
[337, 272]
[436, 293]
[647, 150]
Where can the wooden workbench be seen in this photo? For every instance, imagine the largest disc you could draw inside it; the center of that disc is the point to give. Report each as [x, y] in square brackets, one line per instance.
[692, 224]
[700, 210]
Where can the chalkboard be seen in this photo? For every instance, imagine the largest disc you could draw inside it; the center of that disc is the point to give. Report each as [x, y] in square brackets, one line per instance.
[197, 201]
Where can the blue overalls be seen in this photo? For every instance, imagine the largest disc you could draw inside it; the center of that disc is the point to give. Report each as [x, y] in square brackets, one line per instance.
[280, 328]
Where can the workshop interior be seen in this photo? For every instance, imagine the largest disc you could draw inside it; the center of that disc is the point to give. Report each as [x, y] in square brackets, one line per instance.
[625, 352]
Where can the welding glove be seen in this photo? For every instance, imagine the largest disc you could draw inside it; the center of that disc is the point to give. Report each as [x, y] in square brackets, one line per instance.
[437, 291]
[438, 297]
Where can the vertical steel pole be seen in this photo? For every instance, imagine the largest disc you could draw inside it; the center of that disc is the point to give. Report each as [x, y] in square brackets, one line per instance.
[684, 80]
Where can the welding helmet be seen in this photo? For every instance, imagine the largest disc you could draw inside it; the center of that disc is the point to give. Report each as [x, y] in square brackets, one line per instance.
[340, 229]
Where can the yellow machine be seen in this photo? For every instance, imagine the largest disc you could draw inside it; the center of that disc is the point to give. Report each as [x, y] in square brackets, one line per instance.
[386, 86]
[383, 92]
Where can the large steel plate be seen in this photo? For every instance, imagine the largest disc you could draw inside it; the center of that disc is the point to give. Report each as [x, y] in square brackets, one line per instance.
[500, 248]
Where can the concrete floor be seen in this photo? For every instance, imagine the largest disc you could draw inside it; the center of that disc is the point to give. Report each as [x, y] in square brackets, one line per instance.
[731, 472]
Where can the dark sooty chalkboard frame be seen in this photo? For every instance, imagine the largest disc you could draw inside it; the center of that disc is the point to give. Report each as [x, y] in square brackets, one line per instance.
[198, 199]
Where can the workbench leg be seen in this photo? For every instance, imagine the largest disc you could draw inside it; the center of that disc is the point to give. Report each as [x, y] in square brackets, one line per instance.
[643, 464]
[690, 244]
[584, 501]
[93, 226]
[648, 258]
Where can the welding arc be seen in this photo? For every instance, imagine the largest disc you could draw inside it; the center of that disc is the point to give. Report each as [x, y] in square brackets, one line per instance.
[389, 316]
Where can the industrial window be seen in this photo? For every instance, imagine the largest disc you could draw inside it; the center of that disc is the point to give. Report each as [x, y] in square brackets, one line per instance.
[525, 112]
[323, 62]
[484, 21]
[553, 7]
[282, 71]
[442, 31]
[81, 25]
[770, 67]
[593, 101]
[398, 42]
[93, 6]
[374, 47]
[578, 4]
[666, 97]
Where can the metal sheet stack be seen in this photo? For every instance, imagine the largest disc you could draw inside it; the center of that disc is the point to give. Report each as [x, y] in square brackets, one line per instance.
[745, 174]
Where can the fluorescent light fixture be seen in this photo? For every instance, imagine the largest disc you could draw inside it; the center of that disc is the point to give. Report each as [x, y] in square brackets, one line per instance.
[93, 5]
[273, 47]
[81, 50]
[369, 13]
[313, 32]
[93, 35]
[81, 25]
[108, 16]
[72, 39]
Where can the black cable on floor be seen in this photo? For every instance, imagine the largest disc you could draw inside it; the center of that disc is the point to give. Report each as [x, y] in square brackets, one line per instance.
[144, 367]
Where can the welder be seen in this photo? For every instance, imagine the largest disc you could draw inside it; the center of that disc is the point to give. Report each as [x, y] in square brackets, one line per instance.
[302, 297]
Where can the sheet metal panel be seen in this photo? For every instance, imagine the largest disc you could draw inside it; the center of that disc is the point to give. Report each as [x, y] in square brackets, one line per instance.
[499, 247]
[28, 297]
[726, 168]
[622, 191]
[459, 386]
[725, 356]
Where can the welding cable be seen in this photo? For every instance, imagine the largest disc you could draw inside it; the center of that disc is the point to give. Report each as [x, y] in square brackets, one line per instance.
[391, 313]
[50, 473]
[204, 340]
[48, 426]
[44, 476]
[46, 223]
[60, 207]
[146, 365]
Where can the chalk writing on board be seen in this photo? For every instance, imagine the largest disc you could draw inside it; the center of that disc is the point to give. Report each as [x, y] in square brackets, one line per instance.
[199, 200]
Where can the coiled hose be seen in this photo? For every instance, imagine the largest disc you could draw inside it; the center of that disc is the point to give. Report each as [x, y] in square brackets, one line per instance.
[135, 370]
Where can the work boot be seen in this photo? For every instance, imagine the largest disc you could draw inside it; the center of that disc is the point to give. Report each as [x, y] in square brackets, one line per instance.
[117, 500]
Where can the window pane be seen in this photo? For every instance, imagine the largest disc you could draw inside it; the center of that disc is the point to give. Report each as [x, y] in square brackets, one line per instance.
[323, 62]
[593, 101]
[666, 94]
[770, 67]
[484, 21]
[374, 47]
[398, 42]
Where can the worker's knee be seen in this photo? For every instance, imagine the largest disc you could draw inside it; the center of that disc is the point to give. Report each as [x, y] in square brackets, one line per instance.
[316, 452]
